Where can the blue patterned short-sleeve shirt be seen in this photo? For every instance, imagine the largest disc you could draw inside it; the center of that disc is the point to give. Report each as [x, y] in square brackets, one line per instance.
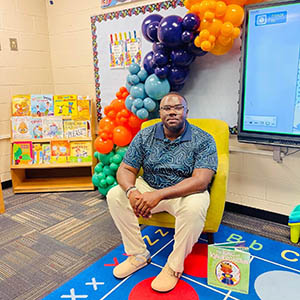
[166, 162]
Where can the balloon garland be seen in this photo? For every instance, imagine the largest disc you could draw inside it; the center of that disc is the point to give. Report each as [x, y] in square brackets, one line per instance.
[209, 26]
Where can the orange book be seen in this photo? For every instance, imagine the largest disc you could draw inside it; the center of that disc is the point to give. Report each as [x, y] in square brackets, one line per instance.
[60, 151]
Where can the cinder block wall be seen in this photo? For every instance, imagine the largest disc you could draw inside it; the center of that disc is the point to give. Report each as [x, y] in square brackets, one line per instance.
[27, 70]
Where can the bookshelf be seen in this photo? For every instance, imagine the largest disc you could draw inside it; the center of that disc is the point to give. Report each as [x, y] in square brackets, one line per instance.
[55, 177]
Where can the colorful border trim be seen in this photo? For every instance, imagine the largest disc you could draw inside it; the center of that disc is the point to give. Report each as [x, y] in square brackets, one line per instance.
[116, 15]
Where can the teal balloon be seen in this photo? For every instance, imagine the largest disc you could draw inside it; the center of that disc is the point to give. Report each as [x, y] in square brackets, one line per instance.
[95, 180]
[114, 167]
[103, 191]
[121, 150]
[142, 75]
[142, 113]
[117, 158]
[96, 155]
[138, 91]
[134, 68]
[99, 167]
[107, 171]
[134, 109]
[133, 79]
[110, 179]
[101, 175]
[104, 158]
[128, 86]
[149, 104]
[138, 103]
[128, 102]
[156, 88]
[103, 183]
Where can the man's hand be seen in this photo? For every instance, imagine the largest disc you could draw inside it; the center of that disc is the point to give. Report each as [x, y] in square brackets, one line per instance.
[145, 202]
[133, 199]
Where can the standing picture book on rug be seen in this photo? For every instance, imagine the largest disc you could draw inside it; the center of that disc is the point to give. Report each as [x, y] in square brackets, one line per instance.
[228, 266]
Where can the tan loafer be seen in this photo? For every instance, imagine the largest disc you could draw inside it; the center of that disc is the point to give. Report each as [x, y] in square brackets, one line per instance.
[130, 265]
[166, 280]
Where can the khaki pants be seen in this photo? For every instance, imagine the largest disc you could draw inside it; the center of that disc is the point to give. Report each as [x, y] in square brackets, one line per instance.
[190, 213]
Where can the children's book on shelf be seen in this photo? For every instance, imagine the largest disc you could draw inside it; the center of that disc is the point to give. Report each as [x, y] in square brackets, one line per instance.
[20, 127]
[65, 105]
[228, 266]
[21, 105]
[36, 128]
[80, 151]
[84, 107]
[42, 105]
[60, 151]
[52, 127]
[37, 150]
[46, 150]
[75, 128]
[22, 153]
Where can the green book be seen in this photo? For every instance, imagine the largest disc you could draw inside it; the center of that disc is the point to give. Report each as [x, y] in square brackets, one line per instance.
[228, 266]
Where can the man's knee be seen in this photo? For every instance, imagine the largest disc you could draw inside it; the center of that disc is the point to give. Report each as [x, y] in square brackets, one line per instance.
[196, 206]
[114, 195]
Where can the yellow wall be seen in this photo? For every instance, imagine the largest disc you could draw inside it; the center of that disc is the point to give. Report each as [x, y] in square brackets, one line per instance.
[255, 179]
[27, 70]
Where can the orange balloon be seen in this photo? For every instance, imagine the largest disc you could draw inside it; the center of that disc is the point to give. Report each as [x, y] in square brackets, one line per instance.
[107, 123]
[121, 136]
[213, 26]
[234, 14]
[135, 122]
[123, 89]
[237, 2]
[220, 49]
[220, 9]
[103, 146]
[117, 104]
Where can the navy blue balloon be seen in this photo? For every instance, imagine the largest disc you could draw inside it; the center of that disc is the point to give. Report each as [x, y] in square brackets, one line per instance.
[161, 72]
[190, 22]
[148, 20]
[160, 59]
[177, 87]
[152, 31]
[195, 50]
[177, 75]
[170, 31]
[187, 36]
[148, 62]
[181, 57]
[156, 47]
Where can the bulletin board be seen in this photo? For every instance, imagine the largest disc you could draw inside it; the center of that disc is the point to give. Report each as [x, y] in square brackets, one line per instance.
[213, 83]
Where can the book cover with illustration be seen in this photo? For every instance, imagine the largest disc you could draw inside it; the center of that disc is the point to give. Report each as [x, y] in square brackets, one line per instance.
[65, 105]
[22, 153]
[46, 150]
[36, 128]
[60, 151]
[42, 105]
[228, 266]
[84, 107]
[75, 128]
[20, 128]
[20, 105]
[52, 127]
[80, 151]
[37, 150]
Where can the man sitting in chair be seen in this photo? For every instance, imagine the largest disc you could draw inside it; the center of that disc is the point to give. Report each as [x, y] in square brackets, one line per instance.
[179, 161]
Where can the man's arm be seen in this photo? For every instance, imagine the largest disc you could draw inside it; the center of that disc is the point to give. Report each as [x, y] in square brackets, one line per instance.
[126, 176]
[197, 183]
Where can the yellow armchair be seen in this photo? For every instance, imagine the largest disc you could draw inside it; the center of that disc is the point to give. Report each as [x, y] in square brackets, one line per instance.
[219, 130]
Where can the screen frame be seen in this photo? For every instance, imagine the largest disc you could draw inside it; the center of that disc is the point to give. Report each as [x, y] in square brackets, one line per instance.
[245, 136]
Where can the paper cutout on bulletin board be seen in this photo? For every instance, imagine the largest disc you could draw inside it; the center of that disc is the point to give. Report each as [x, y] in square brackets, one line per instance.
[133, 51]
[110, 3]
[116, 49]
